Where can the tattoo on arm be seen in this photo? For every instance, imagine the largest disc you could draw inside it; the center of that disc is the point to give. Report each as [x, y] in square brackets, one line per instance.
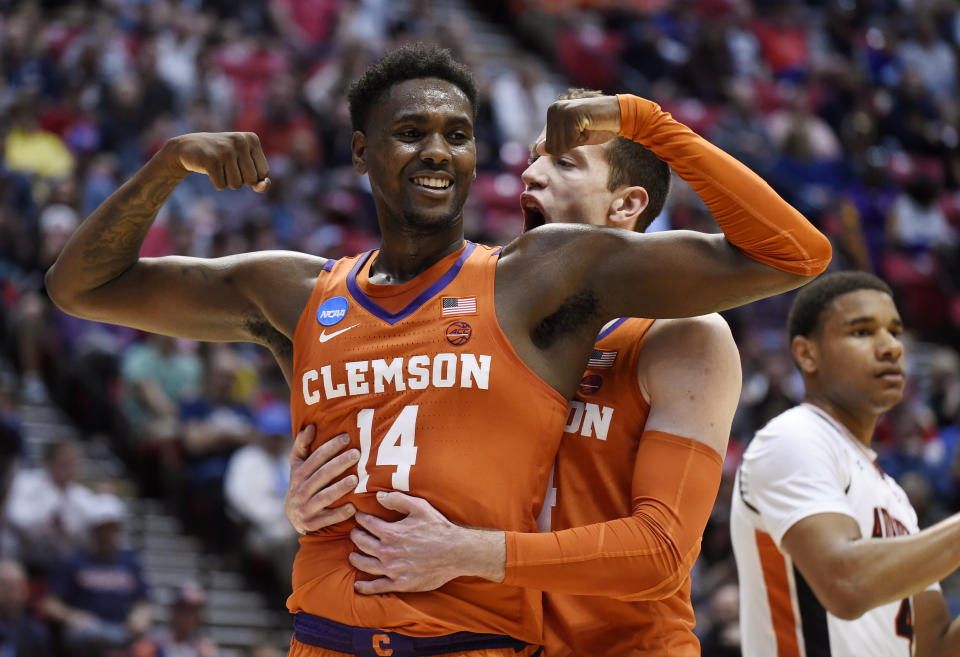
[120, 226]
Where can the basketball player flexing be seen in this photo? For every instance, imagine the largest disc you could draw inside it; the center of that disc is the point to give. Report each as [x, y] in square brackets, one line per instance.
[638, 467]
[829, 555]
[373, 347]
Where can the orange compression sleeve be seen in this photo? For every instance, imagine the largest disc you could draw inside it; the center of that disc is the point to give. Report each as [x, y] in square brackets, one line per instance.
[644, 557]
[752, 216]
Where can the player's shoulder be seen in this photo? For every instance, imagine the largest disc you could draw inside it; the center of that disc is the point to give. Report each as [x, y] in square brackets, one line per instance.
[275, 269]
[797, 430]
[801, 417]
[281, 259]
[703, 331]
[705, 339]
[791, 422]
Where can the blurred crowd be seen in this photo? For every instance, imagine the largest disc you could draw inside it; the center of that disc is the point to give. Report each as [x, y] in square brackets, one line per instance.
[850, 109]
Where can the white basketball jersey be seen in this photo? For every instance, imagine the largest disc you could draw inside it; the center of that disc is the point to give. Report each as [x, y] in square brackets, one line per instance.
[803, 463]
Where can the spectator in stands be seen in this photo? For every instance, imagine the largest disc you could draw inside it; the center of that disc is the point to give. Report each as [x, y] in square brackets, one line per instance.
[723, 637]
[20, 634]
[255, 485]
[520, 100]
[100, 595]
[30, 149]
[782, 34]
[215, 425]
[916, 219]
[742, 41]
[157, 377]
[178, 45]
[741, 129]
[914, 119]
[185, 637]
[219, 420]
[588, 52]
[305, 23]
[30, 319]
[799, 132]
[48, 509]
[284, 128]
[933, 59]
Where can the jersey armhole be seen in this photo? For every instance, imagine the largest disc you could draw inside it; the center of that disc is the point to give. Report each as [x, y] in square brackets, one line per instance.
[318, 287]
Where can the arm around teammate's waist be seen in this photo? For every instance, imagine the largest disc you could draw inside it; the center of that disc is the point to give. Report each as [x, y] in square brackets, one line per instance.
[646, 556]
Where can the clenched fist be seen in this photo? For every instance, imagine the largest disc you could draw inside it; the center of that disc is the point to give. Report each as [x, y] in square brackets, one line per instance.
[229, 159]
[579, 122]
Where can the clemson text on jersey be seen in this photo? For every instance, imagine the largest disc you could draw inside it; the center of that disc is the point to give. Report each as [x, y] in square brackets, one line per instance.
[364, 377]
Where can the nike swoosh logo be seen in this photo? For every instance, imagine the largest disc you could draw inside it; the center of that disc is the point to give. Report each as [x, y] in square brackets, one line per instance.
[324, 336]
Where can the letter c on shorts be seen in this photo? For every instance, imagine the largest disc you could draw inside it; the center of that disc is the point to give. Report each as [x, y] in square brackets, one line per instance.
[379, 643]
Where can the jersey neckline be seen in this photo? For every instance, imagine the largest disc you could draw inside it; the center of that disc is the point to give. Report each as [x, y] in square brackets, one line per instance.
[868, 452]
[391, 318]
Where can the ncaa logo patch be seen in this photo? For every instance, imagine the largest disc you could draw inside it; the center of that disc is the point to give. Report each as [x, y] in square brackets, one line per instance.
[332, 311]
[459, 333]
[590, 384]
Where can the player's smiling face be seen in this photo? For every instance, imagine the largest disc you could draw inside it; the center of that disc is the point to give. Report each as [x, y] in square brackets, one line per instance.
[419, 152]
[860, 360]
[567, 188]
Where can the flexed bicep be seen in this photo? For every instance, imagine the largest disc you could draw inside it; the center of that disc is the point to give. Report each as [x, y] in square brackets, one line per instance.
[222, 299]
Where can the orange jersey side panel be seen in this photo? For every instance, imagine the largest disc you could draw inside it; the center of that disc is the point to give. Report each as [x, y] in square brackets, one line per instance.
[593, 478]
[432, 393]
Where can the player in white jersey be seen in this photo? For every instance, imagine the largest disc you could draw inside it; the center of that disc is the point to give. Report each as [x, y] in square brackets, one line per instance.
[809, 500]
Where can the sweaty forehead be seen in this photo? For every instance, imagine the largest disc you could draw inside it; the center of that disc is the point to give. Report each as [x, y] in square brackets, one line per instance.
[426, 97]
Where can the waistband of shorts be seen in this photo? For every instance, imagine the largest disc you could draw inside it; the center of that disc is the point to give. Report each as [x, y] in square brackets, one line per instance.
[366, 642]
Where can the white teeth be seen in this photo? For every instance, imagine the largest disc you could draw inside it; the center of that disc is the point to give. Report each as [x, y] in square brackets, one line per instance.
[436, 183]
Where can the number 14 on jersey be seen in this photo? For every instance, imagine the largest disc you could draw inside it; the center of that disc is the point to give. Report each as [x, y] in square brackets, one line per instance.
[397, 447]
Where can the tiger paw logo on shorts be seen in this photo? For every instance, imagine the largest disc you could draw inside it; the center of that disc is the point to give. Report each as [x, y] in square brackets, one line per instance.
[459, 333]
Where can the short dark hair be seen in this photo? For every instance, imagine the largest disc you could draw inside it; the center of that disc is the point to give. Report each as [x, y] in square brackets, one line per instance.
[410, 62]
[632, 164]
[807, 309]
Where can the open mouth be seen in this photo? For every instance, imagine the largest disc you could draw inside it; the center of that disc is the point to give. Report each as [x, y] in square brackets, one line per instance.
[533, 214]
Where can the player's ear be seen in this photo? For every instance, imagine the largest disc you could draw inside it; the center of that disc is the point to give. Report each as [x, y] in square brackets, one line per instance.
[805, 354]
[358, 146]
[627, 206]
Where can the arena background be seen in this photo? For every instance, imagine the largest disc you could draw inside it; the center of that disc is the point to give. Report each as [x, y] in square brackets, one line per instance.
[848, 108]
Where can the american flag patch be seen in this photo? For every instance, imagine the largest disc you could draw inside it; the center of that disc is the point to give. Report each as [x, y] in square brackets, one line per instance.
[600, 358]
[458, 306]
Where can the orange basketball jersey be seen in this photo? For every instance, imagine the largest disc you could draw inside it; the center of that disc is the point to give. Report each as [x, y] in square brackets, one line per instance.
[593, 477]
[439, 404]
